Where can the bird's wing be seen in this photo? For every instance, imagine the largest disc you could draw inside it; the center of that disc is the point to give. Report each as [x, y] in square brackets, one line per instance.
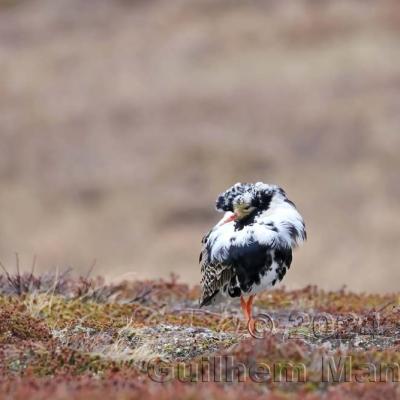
[214, 275]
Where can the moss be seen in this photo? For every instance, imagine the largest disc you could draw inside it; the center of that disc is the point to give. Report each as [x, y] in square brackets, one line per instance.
[17, 324]
[106, 343]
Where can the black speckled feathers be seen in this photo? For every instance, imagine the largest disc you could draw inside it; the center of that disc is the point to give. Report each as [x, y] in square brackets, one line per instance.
[249, 254]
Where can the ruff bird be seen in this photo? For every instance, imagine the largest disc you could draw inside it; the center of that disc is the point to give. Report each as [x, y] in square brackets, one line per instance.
[250, 248]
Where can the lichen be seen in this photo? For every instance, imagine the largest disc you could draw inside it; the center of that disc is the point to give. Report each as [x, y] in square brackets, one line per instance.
[90, 345]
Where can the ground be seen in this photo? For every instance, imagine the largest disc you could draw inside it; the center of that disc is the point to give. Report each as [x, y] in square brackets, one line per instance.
[65, 337]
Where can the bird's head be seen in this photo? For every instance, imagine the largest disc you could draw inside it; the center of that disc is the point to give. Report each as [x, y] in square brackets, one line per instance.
[244, 199]
[243, 206]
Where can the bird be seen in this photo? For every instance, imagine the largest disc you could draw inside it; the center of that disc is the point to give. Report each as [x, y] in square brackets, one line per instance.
[250, 249]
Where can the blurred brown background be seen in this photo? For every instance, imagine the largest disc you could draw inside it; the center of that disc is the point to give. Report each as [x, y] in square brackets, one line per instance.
[121, 121]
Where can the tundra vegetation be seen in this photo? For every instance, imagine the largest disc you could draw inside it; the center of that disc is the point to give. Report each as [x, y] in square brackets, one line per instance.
[78, 337]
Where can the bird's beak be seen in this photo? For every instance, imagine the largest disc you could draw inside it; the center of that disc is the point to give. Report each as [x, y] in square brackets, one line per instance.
[232, 217]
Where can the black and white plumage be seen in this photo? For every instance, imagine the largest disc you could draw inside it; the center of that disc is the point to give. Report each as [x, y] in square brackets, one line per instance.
[250, 249]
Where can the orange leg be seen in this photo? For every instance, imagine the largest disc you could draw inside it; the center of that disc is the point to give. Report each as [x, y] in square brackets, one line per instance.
[243, 304]
[248, 310]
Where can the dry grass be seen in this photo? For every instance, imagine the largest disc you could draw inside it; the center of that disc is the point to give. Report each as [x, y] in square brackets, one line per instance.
[82, 349]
